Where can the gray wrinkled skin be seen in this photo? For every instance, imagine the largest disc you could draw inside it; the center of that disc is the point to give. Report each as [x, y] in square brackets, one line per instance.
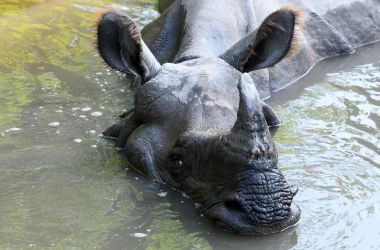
[199, 123]
[331, 28]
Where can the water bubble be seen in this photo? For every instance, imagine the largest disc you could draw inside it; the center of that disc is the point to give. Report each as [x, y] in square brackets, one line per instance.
[86, 109]
[92, 132]
[78, 140]
[185, 195]
[94, 146]
[162, 194]
[13, 129]
[97, 113]
[138, 235]
[54, 124]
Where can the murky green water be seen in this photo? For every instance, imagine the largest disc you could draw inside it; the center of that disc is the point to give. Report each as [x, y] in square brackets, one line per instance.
[64, 187]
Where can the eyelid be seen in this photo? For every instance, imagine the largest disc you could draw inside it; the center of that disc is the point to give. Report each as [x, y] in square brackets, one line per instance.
[178, 151]
[175, 157]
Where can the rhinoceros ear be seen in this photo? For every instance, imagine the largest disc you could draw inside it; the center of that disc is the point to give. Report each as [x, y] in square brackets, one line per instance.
[120, 45]
[271, 42]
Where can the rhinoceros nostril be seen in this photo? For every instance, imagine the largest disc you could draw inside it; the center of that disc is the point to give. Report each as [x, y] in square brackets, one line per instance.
[233, 205]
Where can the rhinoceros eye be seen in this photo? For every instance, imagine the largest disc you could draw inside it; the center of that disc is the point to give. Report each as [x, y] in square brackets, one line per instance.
[176, 161]
[178, 166]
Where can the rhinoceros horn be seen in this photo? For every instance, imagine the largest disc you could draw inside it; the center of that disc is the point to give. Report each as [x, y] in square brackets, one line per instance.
[250, 116]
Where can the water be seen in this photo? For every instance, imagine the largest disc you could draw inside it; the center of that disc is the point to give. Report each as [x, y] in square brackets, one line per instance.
[64, 187]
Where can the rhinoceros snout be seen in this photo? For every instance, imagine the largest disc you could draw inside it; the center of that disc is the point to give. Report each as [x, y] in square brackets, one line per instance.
[244, 215]
[233, 217]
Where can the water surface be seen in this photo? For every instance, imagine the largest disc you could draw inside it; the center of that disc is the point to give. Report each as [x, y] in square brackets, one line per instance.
[64, 187]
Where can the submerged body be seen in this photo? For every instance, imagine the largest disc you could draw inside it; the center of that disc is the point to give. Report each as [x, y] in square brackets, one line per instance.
[199, 122]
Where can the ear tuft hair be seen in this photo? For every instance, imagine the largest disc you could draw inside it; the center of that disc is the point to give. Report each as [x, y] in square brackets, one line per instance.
[269, 24]
[298, 37]
[99, 13]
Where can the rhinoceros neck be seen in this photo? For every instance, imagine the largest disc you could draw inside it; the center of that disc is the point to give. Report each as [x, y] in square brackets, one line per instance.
[211, 27]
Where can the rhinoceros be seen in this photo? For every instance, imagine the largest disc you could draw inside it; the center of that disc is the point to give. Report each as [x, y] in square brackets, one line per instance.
[202, 71]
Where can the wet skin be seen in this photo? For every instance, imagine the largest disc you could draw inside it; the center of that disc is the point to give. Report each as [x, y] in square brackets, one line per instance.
[198, 122]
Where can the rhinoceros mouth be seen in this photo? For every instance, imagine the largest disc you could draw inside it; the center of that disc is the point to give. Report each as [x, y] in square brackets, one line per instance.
[236, 222]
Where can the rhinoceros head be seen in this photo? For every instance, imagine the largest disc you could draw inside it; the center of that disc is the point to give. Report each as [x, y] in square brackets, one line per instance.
[202, 126]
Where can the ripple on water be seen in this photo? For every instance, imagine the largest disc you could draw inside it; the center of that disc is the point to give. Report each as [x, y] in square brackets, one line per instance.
[54, 124]
[12, 130]
[96, 113]
[78, 140]
[56, 190]
[86, 109]
[335, 159]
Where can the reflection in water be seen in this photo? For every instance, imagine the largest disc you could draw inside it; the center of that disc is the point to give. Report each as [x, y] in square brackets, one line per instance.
[63, 186]
[329, 147]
